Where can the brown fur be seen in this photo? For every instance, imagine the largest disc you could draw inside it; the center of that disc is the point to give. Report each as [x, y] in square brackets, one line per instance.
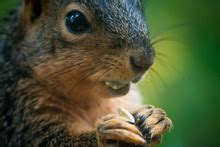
[53, 92]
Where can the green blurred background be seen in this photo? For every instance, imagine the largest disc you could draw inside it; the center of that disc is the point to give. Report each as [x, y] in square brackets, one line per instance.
[185, 80]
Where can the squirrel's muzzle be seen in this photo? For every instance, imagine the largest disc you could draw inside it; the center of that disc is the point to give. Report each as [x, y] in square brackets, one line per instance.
[141, 60]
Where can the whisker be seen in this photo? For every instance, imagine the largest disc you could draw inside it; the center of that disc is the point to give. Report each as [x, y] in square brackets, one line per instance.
[161, 54]
[158, 75]
[84, 71]
[162, 40]
[57, 73]
[152, 81]
[61, 70]
[80, 73]
[161, 61]
[99, 79]
[80, 80]
[84, 78]
[78, 68]
[167, 29]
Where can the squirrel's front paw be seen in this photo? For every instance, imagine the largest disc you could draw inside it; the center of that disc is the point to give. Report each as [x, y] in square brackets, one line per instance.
[112, 128]
[152, 122]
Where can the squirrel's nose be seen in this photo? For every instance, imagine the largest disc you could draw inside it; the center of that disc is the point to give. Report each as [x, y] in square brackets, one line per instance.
[142, 61]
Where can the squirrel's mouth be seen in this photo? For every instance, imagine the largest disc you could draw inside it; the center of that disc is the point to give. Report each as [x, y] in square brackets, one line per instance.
[116, 85]
[119, 87]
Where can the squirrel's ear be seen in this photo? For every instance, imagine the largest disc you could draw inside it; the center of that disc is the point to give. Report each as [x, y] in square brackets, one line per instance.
[32, 9]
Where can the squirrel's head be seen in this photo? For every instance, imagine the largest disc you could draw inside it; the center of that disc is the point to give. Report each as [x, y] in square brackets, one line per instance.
[86, 47]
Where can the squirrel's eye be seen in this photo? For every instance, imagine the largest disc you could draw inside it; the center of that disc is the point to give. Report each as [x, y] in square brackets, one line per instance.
[77, 23]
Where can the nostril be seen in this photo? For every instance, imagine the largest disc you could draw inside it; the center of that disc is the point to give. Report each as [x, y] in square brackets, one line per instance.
[139, 65]
[136, 65]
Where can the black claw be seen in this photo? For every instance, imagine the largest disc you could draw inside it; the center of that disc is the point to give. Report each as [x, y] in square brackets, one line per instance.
[141, 126]
[138, 116]
[148, 140]
[147, 134]
[140, 120]
[146, 131]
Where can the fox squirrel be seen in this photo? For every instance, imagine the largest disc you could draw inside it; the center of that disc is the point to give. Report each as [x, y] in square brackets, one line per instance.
[66, 68]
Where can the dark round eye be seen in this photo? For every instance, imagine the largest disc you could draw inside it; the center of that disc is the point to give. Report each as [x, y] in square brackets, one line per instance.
[77, 23]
